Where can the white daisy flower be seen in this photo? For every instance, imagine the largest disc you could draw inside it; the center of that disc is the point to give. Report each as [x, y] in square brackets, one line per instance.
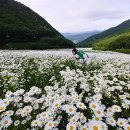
[123, 97]
[55, 123]
[96, 118]
[27, 99]
[6, 121]
[44, 115]
[97, 90]
[23, 122]
[94, 125]
[6, 101]
[24, 113]
[121, 122]
[71, 126]
[27, 109]
[9, 113]
[110, 111]
[70, 109]
[18, 112]
[16, 123]
[2, 107]
[40, 100]
[56, 104]
[99, 113]
[35, 123]
[74, 119]
[49, 125]
[19, 92]
[97, 97]
[35, 106]
[94, 105]
[83, 119]
[111, 121]
[116, 108]
[104, 126]
[81, 105]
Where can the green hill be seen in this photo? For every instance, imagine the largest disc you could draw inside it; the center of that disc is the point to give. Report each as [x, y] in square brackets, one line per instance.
[125, 26]
[119, 42]
[22, 28]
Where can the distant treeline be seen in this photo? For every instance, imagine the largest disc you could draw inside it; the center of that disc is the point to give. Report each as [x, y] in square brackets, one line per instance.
[46, 43]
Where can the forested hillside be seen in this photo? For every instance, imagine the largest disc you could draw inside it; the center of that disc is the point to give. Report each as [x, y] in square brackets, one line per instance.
[120, 43]
[22, 28]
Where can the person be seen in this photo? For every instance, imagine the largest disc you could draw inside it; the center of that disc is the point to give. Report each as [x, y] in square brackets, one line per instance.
[80, 55]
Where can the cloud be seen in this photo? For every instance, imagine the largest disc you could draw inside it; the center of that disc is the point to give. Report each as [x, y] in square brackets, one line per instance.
[81, 15]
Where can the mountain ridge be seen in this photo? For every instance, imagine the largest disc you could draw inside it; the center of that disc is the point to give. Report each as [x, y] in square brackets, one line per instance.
[124, 26]
[80, 36]
[19, 24]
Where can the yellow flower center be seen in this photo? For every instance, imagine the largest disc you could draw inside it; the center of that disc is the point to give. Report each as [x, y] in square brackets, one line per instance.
[78, 125]
[74, 120]
[83, 119]
[84, 129]
[35, 123]
[70, 109]
[56, 104]
[111, 121]
[98, 112]
[93, 106]
[6, 122]
[71, 128]
[43, 122]
[38, 116]
[128, 128]
[44, 114]
[109, 110]
[50, 124]
[1, 108]
[121, 123]
[95, 128]
[80, 115]
[80, 105]
[5, 102]
[55, 124]
[97, 118]
[27, 109]
[116, 108]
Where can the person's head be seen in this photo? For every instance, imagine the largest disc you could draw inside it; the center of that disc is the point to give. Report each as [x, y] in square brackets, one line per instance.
[74, 51]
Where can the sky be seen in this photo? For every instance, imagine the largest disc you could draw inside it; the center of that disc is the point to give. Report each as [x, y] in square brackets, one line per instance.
[81, 15]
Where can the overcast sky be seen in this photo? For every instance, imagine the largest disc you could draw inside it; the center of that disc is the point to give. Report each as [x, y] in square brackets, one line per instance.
[81, 15]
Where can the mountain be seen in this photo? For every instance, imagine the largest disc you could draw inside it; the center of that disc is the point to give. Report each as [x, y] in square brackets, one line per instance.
[68, 34]
[22, 28]
[123, 27]
[119, 42]
[78, 37]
